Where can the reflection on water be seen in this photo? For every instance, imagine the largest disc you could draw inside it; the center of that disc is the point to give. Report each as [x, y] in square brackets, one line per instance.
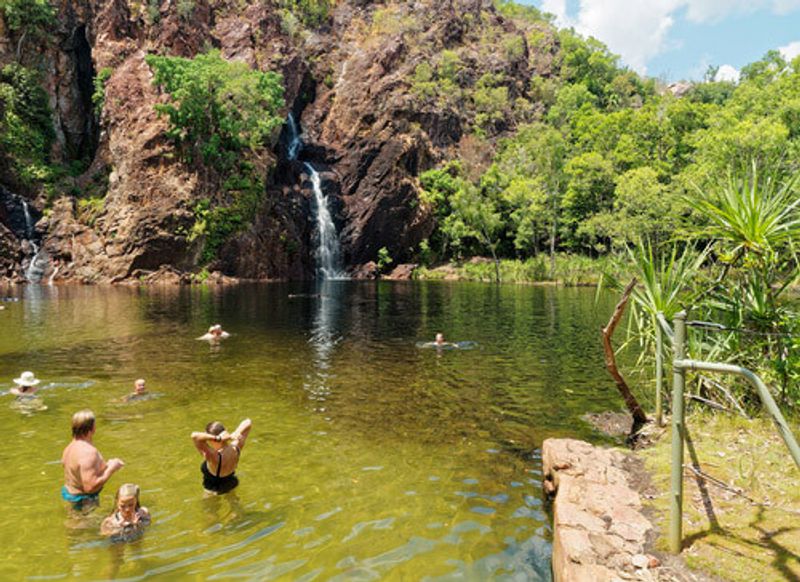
[324, 337]
[369, 458]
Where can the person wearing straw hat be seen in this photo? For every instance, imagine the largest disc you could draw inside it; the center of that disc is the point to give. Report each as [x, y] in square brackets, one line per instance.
[214, 333]
[26, 385]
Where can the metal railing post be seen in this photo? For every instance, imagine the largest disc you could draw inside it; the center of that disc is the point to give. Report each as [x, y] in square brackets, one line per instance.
[659, 373]
[678, 433]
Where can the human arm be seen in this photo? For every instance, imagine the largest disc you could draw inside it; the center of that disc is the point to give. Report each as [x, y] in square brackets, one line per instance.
[143, 516]
[109, 527]
[95, 473]
[239, 436]
[15, 391]
[200, 440]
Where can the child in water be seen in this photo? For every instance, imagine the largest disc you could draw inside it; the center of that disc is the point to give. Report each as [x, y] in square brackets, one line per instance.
[129, 518]
[139, 391]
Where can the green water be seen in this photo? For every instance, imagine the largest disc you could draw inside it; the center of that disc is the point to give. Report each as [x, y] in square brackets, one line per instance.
[369, 458]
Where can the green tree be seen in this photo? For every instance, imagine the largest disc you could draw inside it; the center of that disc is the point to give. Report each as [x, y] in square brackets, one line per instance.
[590, 190]
[26, 126]
[218, 108]
[222, 117]
[529, 175]
[30, 19]
[644, 209]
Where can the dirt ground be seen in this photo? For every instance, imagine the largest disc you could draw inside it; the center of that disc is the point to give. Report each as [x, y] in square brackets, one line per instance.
[741, 498]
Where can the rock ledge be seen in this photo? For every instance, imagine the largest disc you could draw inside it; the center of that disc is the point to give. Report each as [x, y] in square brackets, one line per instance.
[599, 531]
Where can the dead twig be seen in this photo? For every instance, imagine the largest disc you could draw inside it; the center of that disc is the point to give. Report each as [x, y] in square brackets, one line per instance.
[711, 403]
[722, 485]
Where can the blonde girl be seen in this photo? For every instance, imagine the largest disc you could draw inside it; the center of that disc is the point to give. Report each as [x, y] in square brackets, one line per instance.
[129, 518]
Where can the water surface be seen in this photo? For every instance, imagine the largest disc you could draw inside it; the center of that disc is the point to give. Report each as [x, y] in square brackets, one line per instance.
[369, 458]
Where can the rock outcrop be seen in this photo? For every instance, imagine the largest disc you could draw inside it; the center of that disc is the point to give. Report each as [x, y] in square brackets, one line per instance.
[350, 81]
[599, 531]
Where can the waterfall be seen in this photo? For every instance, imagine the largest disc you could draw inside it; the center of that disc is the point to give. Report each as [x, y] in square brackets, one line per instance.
[327, 253]
[294, 138]
[34, 271]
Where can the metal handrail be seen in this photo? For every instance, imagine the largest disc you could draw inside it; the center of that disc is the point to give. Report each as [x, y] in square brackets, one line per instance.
[679, 366]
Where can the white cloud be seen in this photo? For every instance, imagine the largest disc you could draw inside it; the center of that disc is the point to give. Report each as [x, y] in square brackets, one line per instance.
[637, 36]
[727, 73]
[638, 31]
[790, 51]
[558, 8]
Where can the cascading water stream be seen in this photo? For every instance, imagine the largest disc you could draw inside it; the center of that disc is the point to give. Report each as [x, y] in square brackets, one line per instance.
[34, 271]
[327, 253]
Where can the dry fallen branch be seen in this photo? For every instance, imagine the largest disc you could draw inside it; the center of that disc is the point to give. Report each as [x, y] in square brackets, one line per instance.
[639, 417]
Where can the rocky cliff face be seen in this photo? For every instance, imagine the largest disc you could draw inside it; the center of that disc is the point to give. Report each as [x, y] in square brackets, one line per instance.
[366, 127]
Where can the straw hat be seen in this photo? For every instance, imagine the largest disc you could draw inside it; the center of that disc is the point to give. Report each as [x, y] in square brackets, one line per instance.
[27, 379]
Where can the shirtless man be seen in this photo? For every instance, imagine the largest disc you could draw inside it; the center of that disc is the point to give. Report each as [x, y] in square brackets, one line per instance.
[85, 471]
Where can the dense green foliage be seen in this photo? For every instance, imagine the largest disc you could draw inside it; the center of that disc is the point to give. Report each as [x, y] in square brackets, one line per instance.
[28, 18]
[218, 108]
[223, 115]
[608, 160]
[26, 130]
[99, 93]
[311, 13]
[608, 166]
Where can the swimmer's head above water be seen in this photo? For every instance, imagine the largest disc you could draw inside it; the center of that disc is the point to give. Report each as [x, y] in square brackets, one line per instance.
[217, 429]
[127, 501]
[439, 339]
[139, 387]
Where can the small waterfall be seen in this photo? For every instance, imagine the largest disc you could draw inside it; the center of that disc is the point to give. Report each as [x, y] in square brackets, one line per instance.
[295, 142]
[35, 270]
[327, 253]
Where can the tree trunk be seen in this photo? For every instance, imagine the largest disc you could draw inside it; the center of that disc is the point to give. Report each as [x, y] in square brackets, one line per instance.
[639, 417]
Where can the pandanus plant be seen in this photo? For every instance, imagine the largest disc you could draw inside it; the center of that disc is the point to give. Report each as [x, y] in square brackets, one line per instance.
[754, 217]
[664, 279]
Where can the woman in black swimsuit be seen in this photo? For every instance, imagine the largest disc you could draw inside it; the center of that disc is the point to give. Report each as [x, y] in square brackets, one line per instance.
[221, 452]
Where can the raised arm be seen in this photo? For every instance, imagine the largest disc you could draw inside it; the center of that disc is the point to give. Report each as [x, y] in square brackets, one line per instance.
[200, 440]
[239, 436]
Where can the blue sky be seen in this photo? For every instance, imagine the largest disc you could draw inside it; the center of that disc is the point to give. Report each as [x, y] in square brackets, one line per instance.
[679, 39]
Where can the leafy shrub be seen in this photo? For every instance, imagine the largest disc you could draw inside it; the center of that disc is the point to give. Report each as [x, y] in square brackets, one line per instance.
[185, 9]
[217, 107]
[384, 259]
[32, 17]
[89, 209]
[26, 129]
[99, 94]
[222, 114]
[312, 13]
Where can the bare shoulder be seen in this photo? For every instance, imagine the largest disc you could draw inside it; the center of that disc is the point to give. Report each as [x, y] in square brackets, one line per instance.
[86, 453]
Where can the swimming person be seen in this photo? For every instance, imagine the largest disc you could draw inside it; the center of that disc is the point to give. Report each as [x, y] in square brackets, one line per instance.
[85, 471]
[129, 518]
[214, 333]
[26, 400]
[139, 391]
[26, 385]
[221, 452]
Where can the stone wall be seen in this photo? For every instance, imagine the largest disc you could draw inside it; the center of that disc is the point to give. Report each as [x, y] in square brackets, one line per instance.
[599, 531]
